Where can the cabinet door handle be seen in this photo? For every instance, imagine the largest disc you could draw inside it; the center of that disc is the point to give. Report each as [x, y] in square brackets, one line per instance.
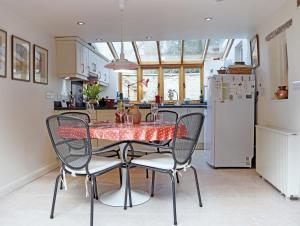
[82, 70]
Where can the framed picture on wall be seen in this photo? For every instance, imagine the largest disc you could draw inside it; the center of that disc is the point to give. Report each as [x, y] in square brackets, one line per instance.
[254, 44]
[40, 65]
[20, 59]
[3, 53]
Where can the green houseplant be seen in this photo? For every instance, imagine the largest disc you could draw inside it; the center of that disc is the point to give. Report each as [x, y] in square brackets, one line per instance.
[91, 92]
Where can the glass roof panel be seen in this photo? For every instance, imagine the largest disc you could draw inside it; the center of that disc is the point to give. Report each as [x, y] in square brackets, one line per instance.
[216, 49]
[193, 50]
[170, 51]
[103, 48]
[147, 51]
[128, 50]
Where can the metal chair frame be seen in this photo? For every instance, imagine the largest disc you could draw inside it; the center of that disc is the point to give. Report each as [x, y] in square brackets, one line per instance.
[92, 176]
[114, 153]
[176, 162]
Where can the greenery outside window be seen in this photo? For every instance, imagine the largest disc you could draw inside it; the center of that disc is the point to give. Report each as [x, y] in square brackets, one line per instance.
[151, 89]
[192, 83]
[171, 82]
[129, 85]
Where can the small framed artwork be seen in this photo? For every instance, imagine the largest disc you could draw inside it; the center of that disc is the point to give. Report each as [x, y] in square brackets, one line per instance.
[20, 59]
[254, 44]
[3, 53]
[40, 65]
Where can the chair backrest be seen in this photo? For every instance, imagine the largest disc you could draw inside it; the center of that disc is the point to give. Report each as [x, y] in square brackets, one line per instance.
[82, 115]
[71, 140]
[170, 116]
[186, 135]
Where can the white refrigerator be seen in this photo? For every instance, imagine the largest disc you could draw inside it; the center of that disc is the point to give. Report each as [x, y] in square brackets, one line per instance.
[229, 123]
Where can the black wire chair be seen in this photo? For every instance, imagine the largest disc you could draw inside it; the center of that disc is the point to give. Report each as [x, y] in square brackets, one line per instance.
[84, 116]
[109, 153]
[71, 141]
[187, 132]
[168, 116]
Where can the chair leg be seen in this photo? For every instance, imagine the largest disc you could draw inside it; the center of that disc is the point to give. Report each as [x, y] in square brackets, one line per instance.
[96, 189]
[92, 188]
[120, 170]
[126, 190]
[174, 199]
[129, 188]
[147, 172]
[152, 185]
[177, 178]
[54, 195]
[197, 185]
[61, 185]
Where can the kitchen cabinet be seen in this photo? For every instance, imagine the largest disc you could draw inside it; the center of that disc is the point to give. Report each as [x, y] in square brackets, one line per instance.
[78, 60]
[72, 59]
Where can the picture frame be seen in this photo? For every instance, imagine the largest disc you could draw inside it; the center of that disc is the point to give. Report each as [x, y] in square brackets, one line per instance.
[20, 59]
[254, 49]
[40, 65]
[3, 53]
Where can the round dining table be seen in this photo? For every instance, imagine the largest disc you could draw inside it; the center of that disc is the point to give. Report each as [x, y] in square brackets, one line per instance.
[145, 131]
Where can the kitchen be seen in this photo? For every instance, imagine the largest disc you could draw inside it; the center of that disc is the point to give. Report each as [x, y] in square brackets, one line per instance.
[77, 54]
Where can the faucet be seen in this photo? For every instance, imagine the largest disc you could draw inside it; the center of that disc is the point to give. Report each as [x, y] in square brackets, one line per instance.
[177, 97]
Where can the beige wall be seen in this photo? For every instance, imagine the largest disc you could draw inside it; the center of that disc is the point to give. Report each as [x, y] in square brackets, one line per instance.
[25, 151]
[283, 114]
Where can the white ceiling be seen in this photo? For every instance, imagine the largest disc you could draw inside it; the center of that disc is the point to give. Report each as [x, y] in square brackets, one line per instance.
[162, 19]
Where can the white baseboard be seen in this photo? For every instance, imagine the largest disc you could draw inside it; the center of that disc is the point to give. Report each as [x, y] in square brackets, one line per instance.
[4, 190]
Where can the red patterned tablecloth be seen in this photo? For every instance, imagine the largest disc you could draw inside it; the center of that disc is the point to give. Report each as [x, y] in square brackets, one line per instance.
[146, 131]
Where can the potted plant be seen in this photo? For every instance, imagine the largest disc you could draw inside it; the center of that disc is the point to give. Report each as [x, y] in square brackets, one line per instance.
[91, 92]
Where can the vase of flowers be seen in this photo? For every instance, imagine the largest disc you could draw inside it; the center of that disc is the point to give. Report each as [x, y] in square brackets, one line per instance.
[91, 92]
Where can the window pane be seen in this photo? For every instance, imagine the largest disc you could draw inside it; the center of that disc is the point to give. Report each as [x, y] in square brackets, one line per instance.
[129, 85]
[128, 50]
[170, 51]
[148, 51]
[216, 49]
[103, 48]
[192, 83]
[171, 82]
[193, 50]
[152, 90]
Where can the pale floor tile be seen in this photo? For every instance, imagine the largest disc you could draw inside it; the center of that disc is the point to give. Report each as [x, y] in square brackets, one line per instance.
[231, 197]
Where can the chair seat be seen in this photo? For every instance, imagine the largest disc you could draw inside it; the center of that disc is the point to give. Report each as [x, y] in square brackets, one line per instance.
[163, 161]
[97, 164]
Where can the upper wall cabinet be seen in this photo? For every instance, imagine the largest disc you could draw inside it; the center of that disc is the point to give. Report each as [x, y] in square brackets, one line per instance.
[76, 59]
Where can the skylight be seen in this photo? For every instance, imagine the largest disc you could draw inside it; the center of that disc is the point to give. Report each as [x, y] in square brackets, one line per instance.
[103, 48]
[170, 51]
[167, 52]
[193, 50]
[128, 50]
[216, 49]
[147, 51]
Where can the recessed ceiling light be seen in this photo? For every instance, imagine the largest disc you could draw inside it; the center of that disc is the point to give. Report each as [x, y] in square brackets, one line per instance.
[99, 39]
[81, 23]
[208, 19]
[148, 37]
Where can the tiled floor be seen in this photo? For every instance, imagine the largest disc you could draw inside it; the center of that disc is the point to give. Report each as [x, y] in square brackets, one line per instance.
[231, 197]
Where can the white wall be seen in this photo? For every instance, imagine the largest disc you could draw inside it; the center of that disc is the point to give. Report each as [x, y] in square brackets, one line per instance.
[24, 144]
[284, 114]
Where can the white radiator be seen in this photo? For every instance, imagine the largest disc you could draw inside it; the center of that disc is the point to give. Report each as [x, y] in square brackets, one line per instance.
[278, 159]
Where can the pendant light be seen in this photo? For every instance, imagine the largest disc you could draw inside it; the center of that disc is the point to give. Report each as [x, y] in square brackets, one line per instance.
[122, 64]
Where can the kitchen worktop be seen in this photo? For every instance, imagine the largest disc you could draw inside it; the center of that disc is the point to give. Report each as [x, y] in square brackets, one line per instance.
[141, 106]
